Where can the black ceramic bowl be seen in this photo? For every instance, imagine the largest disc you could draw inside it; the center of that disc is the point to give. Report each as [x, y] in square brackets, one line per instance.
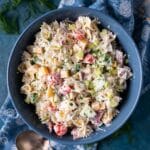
[130, 97]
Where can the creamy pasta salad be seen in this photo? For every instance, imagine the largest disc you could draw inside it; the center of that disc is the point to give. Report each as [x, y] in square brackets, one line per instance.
[74, 74]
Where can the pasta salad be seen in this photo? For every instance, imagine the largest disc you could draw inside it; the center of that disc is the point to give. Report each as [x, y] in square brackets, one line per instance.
[74, 74]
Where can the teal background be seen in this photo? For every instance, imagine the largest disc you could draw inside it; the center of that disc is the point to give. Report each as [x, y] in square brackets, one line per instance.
[134, 135]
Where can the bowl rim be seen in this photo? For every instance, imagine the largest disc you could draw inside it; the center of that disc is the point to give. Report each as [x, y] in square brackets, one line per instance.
[75, 142]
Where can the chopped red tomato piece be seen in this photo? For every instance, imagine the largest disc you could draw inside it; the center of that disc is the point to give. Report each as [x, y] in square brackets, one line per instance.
[60, 129]
[79, 35]
[89, 59]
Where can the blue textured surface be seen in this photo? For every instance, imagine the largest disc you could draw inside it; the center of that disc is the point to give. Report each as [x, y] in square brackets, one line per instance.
[135, 135]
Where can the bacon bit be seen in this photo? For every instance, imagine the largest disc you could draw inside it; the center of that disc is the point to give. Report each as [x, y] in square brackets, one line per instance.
[60, 129]
[50, 126]
[65, 90]
[79, 35]
[54, 79]
[89, 59]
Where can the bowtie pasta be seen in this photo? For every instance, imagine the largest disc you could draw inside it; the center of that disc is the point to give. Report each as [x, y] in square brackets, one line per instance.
[74, 74]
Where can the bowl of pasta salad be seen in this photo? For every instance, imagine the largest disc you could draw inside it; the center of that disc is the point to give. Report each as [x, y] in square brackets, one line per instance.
[74, 75]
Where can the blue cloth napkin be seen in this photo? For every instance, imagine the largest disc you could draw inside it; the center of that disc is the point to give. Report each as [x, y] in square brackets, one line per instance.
[125, 12]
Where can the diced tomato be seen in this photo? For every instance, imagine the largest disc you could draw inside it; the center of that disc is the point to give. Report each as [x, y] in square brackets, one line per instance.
[89, 59]
[50, 126]
[65, 90]
[60, 129]
[54, 79]
[79, 35]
